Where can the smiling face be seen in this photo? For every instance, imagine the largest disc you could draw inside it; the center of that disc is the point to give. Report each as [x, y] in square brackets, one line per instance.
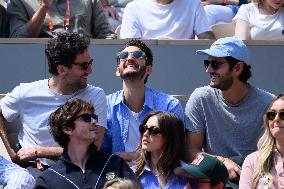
[276, 125]
[133, 68]
[150, 142]
[222, 77]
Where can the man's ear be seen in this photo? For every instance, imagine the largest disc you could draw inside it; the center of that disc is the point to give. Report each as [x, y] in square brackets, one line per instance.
[67, 130]
[220, 185]
[117, 73]
[239, 68]
[149, 69]
[61, 69]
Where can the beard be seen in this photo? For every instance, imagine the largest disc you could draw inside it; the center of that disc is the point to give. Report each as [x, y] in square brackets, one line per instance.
[134, 75]
[225, 82]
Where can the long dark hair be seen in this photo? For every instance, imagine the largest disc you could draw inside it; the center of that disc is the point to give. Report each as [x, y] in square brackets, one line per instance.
[173, 131]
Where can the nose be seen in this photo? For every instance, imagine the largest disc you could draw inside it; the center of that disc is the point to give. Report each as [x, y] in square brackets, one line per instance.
[209, 69]
[146, 133]
[93, 121]
[89, 70]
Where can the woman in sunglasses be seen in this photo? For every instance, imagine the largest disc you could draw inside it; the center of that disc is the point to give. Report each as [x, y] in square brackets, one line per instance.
[73, 126]
[162, 149]
[264, 168]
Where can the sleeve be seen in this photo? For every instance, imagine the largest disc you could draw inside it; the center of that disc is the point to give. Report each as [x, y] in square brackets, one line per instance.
[248, 171]
[19, 18]
[100, 26]
[41, 183]
[242, 14]
[10, 104]
[177, 110]
[200, 23]
[15, 177]
[107, 142]
[126, 171]
[100, 104]
[194, 118]
[129, 26]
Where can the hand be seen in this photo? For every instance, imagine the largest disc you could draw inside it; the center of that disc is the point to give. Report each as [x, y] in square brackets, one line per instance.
[233, 169]
[111, 11]
[26, 154]
[128, 156]
[46, 4]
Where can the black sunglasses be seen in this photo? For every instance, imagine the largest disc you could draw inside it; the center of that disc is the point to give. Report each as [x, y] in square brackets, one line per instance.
[271, 115]
[123, 55]
[87, 117]
[152, 130]
[84, 65]
[214, 64]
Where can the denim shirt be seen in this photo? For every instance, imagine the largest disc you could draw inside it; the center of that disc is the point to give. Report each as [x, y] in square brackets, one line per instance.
[149, 181]
[118, 115]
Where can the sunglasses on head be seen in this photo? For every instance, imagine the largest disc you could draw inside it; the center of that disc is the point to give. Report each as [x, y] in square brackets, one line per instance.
[152, 130]
[214, 64]
[84, 65]
[87, 117]
[271, 115]
[123, 55]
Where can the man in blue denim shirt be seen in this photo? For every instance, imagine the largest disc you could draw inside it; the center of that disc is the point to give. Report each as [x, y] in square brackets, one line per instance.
[128, 107]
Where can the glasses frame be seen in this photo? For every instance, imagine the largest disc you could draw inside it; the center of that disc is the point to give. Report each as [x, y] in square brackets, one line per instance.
[86, 117]
[271, 115]
[84, 65]
[153, 130]
[133, 54]
[215, 65]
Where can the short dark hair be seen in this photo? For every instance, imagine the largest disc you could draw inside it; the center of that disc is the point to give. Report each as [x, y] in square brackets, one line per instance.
[246, 73]
[64, 117]
[62, 50]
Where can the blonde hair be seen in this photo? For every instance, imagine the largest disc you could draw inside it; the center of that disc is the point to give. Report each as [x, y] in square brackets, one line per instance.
[265, 146]
[119, 183]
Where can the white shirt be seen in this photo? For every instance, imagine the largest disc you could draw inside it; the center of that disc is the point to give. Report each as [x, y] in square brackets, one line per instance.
[180, 19]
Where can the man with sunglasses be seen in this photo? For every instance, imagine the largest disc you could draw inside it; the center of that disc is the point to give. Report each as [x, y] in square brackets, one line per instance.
[82, 165]
[128, 107]
[70, 64]
[225, 118]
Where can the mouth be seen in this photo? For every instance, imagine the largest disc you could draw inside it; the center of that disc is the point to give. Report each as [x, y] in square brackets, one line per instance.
[145, 141]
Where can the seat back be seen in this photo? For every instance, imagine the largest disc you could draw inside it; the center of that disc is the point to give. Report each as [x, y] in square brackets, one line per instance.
[223, 30]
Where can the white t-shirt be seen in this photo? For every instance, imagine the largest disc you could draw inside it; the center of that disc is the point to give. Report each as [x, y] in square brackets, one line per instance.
[32, 103]
[133, 135]
[180, 19]
[262, 27]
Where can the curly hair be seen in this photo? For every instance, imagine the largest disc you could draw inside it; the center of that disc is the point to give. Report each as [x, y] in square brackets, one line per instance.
[246, 73]
[173, 130]
[64, 116]
[62, 50]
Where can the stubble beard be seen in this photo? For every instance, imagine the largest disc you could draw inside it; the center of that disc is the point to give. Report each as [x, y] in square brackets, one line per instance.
[132, 76]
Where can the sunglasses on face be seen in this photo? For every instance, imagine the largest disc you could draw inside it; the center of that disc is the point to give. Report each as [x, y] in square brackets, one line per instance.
[135, 54]
[152, 130]
[214, 64]
[84, 65]
[87, 117]
[271, 115]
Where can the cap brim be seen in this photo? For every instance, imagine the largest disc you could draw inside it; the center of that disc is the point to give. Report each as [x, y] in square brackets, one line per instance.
[190, 171]
[211, 52]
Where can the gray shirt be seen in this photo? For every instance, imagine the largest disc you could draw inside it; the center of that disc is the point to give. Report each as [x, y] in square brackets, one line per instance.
[230, 130]
[86, 16]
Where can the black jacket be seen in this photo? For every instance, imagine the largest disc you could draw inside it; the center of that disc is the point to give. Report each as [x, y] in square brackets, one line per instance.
[100, 167]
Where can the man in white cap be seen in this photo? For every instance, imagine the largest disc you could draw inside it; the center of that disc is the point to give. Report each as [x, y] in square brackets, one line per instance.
[225, 118]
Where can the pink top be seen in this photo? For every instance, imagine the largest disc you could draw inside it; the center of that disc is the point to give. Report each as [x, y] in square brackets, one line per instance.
[275, 181]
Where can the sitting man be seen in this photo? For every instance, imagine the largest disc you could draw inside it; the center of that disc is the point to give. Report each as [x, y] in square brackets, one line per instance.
[168, 19]
[128, 107]
[69, 64]
[225, 118]
[14, 177]
[204, 172]
[73, 126]
[45, 18]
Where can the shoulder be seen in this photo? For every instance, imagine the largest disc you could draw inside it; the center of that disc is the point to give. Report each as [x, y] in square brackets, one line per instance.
[115, 97]
[251, 7]
[24, 88]
[159, 95]
[263, 95]
[134, 4]
[252, 158]
[95, 90]
[202, 92]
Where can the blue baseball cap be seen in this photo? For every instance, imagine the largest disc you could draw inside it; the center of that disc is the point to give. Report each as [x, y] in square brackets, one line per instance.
[228, 46]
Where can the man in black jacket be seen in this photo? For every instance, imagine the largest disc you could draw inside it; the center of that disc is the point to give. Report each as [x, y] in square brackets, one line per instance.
[81, 164]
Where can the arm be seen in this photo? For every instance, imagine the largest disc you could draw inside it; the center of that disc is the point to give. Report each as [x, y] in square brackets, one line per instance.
[242, 29]
[220, 2]
[109, 10]
[247, 172]
[206, 35]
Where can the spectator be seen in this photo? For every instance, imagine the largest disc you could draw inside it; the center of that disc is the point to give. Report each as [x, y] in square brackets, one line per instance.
[69, 64]
[119, 183]
[205, 172]
[73, 126]
[14, 177]
[4, 23]
[260, 20]
[153, 19]
[128, 107]
[264, 168]
[47, 17]
[162, 147]
[219, 114]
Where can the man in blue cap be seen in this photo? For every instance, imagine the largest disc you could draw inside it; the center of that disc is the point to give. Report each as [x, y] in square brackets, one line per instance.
[225, 118]
[204, 172]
